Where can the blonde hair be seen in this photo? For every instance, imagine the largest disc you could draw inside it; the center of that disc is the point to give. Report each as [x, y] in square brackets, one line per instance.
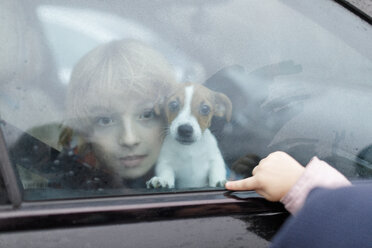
[125, 67]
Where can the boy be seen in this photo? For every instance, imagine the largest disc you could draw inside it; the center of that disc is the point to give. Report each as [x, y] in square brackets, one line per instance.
[110, 108]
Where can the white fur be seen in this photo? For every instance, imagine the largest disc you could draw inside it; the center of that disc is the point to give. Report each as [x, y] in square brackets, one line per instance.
[185, 117]
[199, 164]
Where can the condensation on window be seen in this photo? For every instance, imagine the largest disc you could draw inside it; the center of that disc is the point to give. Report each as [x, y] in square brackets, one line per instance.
[105, 98]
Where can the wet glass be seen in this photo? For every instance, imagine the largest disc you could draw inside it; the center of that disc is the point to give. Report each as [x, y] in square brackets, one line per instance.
[99, 97]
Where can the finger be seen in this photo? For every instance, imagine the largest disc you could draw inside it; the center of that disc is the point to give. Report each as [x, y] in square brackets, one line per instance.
[244, 184]
[255, 169]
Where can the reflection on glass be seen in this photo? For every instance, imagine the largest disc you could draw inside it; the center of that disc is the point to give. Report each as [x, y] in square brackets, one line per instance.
[119, 113]
[29, 92]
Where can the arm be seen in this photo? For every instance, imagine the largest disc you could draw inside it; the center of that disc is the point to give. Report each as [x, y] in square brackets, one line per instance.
[317, 174]
[331, 218]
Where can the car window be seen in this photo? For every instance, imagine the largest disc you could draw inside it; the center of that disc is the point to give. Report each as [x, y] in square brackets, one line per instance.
[141, 97]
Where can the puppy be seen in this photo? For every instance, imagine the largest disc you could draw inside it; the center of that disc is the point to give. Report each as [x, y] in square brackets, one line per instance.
[190, 156]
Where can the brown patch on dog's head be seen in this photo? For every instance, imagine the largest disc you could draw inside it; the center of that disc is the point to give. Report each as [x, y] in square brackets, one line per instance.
[204, 105]
[174, 103]
[207, 103]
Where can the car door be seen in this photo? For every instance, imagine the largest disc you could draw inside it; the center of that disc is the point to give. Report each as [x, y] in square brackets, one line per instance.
[189, 219]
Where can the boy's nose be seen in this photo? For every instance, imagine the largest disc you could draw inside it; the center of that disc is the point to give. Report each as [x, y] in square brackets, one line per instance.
[128, 136]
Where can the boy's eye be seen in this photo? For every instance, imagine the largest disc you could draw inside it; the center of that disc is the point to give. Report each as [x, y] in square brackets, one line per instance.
[147, 114]
[205, 109]
[104, 121]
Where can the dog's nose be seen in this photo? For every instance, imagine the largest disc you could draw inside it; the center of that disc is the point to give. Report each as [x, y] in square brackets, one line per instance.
[185, 131]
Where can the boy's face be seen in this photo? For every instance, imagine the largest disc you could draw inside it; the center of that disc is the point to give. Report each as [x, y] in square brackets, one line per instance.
[127, 136]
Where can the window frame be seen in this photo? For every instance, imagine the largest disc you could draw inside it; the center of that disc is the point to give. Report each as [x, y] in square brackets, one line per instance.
[8, 175]
[359, 9]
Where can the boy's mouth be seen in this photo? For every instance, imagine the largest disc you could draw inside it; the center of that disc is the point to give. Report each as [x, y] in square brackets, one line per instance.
[132, 161]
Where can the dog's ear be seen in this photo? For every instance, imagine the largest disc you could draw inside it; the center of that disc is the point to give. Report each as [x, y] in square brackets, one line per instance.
[223, 106]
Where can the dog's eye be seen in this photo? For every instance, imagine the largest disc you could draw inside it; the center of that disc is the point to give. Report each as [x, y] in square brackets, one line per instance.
[205, 109]
[174, 106]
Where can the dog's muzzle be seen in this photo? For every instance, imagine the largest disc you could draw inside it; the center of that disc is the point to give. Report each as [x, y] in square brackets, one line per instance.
[185, 134]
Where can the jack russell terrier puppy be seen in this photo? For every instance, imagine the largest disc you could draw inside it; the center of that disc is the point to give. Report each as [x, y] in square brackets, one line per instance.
[190, 156]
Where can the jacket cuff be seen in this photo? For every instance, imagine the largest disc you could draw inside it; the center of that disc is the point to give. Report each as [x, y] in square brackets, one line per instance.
[317, 174]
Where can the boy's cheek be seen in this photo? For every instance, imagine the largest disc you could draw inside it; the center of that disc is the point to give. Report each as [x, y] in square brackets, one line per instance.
[154, 136]
[102, 142]
[155, 123]
[107, 133]
[103, 153]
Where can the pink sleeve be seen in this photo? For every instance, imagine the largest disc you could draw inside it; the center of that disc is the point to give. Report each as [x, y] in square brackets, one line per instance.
[317, 174]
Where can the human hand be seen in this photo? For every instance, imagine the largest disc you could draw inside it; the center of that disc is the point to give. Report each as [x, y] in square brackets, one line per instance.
[272, 178]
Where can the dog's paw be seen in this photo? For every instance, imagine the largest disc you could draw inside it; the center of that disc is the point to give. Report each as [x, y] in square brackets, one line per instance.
[156, 183]
[221, 184]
